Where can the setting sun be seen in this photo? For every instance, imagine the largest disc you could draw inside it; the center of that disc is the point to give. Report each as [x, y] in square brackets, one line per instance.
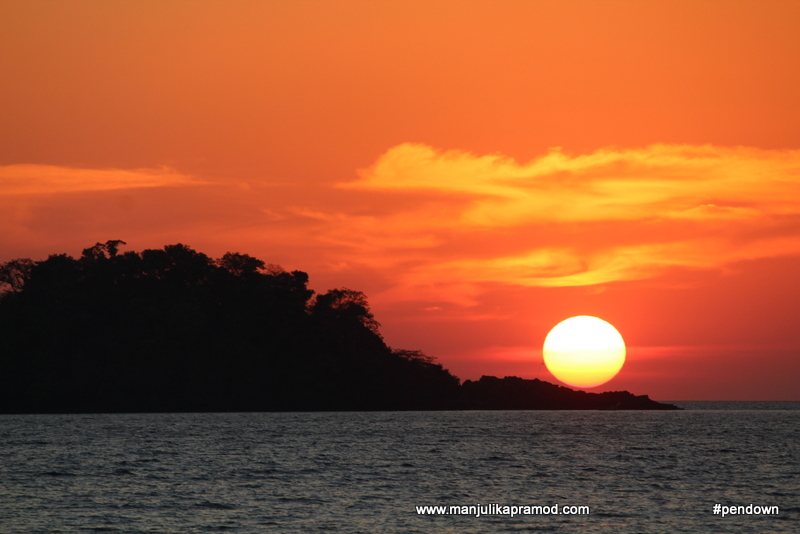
[584, 351]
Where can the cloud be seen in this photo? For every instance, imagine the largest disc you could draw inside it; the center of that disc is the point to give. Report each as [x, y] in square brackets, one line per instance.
[661, 181]
[565, 220]
[48, 179]
[46, 209]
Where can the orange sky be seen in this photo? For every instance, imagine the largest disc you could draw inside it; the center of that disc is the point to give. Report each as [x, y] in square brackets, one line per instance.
[481, 170]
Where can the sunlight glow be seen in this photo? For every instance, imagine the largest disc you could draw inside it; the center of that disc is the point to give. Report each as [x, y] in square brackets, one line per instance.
[584, 351]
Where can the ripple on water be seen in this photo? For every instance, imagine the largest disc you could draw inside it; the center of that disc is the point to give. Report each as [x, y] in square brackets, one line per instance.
[343, 472]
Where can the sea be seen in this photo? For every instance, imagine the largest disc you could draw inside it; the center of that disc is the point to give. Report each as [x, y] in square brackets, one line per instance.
[406, 472]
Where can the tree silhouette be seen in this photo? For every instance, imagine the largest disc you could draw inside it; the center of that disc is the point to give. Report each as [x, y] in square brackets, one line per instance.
[172, 329]
[15, 273]
[241, 265]
[345, 305]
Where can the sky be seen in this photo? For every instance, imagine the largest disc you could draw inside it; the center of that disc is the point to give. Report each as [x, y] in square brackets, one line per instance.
[480, 170]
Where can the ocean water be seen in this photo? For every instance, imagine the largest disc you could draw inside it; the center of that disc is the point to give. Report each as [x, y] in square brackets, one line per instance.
[368, 472]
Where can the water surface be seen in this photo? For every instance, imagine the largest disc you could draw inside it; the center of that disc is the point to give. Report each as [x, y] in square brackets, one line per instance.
[366, 472]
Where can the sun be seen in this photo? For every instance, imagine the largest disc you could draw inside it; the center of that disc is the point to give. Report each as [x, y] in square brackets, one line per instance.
[584, 351]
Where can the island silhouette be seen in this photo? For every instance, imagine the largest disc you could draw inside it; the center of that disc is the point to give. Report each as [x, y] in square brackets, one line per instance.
[172, 330]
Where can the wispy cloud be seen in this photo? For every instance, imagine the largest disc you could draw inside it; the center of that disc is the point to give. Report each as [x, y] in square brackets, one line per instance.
[661, 181]
[48, 179]
[564, 220]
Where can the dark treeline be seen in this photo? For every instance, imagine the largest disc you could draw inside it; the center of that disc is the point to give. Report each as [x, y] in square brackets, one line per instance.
[172, 330]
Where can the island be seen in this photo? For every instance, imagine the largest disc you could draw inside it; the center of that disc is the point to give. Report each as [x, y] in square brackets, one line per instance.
[173, 330]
